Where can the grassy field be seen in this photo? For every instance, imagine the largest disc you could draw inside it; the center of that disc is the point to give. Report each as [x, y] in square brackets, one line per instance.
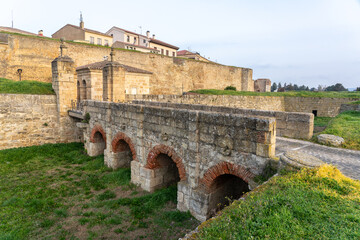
[311, 204]
[58, 192]
[322, 121]
[279, 94]
[345, 125]
[25, 87]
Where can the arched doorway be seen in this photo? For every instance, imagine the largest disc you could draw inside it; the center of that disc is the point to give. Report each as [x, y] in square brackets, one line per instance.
[83, 91]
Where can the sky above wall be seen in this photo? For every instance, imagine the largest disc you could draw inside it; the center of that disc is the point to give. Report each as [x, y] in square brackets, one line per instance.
[310, 42]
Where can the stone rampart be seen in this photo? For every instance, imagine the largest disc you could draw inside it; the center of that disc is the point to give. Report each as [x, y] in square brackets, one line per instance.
[293, 125]
[349, 107]
[247, 102]
[170, 75]
[197, 149]
[28, 120]
[324, 107]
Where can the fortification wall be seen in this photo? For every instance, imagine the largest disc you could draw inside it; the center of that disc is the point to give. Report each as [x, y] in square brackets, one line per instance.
[27, 120]
[349, 107]
[325, 107]
[247, 102]
[170, 75]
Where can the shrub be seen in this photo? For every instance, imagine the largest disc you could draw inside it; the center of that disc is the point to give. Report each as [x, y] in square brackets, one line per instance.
[231, 88]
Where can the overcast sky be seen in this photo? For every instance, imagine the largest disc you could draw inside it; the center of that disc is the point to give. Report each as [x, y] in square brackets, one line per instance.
[307, 42]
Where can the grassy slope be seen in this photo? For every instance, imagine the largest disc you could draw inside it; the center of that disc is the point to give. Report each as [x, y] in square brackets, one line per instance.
[322, 121]
[25, 87]
[311, 204]
[347, 126]
[56, 191]
[277, 94]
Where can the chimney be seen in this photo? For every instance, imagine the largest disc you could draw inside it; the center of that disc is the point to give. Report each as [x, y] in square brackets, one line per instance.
[148, 34]
[81, 21]
[41, 33]
[153, 36]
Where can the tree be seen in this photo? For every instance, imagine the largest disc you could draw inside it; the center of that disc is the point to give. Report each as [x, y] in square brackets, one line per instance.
[337, 87]
[274, 87]
[279, 85]
[358, 89]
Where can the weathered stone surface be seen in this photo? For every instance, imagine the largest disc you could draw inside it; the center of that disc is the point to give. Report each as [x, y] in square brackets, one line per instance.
[330, 140]
[181, 145]
[294, 160]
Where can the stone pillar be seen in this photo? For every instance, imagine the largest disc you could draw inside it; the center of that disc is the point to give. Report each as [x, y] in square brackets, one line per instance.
[114, 81]
[65, 87]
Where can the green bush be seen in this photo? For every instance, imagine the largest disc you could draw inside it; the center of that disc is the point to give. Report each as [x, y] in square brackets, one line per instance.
[231, 88]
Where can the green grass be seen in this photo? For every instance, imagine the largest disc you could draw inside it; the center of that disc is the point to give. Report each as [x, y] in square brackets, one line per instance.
[355, 103]
[310, 204]
[322, 121]
[281, 94]
[56, 191]
[347, 126]
[25, 87]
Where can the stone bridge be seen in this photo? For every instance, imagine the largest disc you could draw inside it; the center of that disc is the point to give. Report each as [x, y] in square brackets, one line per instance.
[210, 155]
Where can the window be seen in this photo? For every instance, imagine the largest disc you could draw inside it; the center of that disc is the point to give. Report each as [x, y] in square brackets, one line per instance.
[99, 42]
[92, 40]
[167, 52]
[155, 48]
[134, 40]
[106, 43]
[128, 39]
[173, 54]
[144, 41]
[162, 51]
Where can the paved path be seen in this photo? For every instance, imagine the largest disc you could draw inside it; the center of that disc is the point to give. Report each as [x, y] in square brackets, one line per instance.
[347, 161]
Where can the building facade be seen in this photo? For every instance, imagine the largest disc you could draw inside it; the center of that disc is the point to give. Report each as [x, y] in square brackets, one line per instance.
[82, 34]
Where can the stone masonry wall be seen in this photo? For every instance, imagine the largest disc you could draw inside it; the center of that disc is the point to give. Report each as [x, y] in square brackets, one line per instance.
[349, 107]
[170, 75]
[203, 145]
[325, 107]
[247, 102]
[27, 120]
[294, 125]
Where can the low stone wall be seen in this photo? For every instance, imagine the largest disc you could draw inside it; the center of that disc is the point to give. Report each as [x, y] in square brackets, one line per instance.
[248, 102]
[27, 120]
[349, 107]
[324, 107]
[294, 125]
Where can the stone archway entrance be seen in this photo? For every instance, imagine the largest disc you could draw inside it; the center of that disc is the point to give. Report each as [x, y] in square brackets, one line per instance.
[122, 152]
[97, 141]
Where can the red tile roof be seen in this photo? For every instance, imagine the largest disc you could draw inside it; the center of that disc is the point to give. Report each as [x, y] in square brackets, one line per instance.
[163, 43]
[102, 64]
[15, 30]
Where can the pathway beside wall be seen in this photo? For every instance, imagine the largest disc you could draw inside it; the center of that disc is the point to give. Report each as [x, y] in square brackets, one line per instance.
[348, 161]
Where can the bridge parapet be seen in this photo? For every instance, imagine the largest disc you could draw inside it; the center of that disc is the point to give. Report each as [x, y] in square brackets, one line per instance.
[190, 147]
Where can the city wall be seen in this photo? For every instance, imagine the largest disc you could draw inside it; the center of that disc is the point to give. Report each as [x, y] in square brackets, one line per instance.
[170, 75]
[28, 120]
[325, 107]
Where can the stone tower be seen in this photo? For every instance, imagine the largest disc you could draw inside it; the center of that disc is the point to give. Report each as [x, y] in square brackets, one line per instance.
[64, 85]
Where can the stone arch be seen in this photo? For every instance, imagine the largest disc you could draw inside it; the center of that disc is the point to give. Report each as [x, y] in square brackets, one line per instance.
[97, 128]
[152, 162]
[224, 168]
[120, 136]
[84, 90]
[78, 91]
